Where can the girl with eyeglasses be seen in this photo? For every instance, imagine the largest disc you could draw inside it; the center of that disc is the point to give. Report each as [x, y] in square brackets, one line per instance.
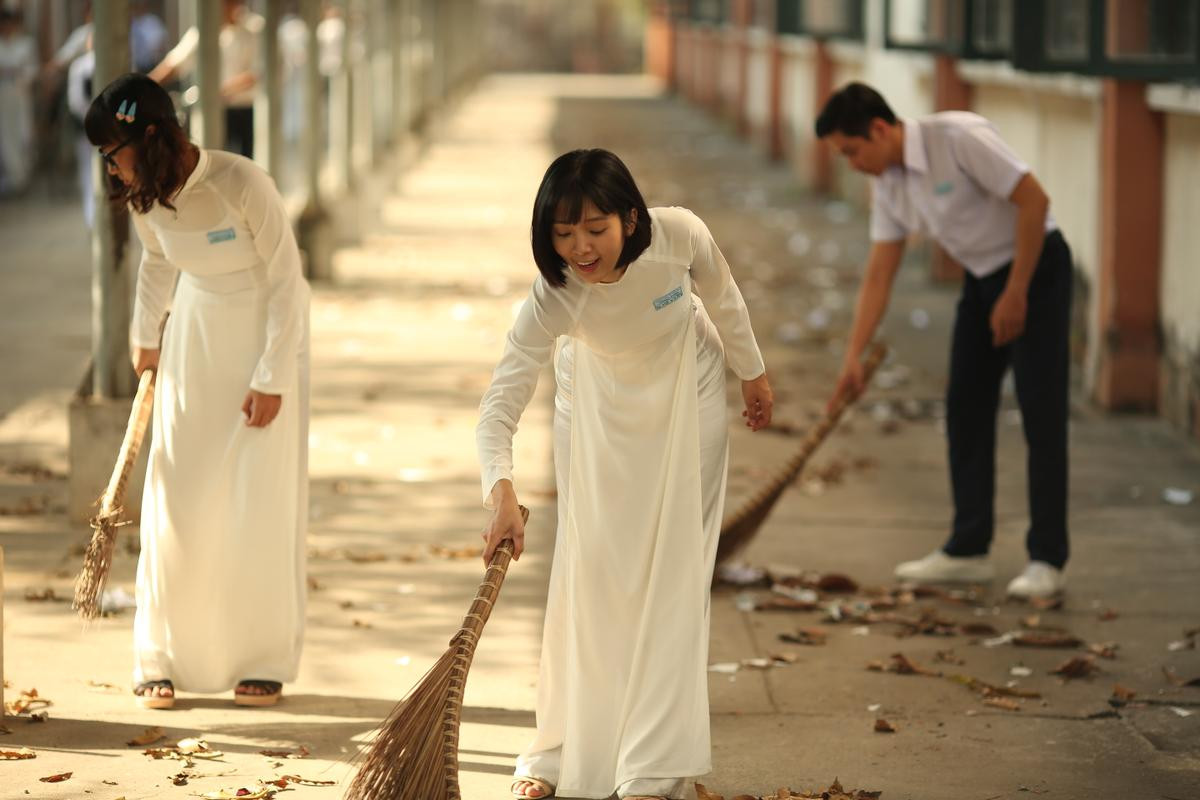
[220, 581]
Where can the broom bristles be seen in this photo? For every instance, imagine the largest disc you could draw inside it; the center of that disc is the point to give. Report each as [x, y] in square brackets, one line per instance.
[97, 561]
[740, 528]
[415, 755]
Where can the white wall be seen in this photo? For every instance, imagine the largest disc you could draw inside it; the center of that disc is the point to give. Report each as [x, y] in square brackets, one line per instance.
[1181, 233]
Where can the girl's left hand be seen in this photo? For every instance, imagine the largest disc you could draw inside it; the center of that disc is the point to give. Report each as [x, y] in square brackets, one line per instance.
[759, 402]
[259, 408]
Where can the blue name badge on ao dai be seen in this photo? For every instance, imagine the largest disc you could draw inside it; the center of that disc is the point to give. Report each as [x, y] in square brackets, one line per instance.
[215, 237]
[670, 297]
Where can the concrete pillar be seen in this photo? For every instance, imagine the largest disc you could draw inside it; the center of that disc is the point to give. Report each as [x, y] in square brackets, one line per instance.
[822, 158]
[1131, 208]
[208, 115]
[341, 112]
[112, 376]
[313, 230]
[99, 410]
[950, 93]
[268, 95]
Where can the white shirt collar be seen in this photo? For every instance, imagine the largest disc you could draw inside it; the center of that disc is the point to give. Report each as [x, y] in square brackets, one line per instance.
[914, 146]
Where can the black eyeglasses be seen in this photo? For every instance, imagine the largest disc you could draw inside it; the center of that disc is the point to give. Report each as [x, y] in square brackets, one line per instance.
[108, 157]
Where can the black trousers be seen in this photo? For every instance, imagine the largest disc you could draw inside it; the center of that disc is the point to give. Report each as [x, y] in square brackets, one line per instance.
[1040, 361]
[239, 130]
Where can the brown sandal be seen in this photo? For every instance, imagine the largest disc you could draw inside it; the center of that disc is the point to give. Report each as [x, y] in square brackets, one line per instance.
[269, 698]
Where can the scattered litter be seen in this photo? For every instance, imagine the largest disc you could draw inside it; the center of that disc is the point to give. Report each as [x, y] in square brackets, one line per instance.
[745, 602]
[861, 630]
[1181, 644]
[301, 752]
[114, 601]
[725, 667]
[948, 657]
[1104, 649]
[1182, 712]
[883, 726]
[757, 663]
[834, 792]
[1001, 640]
[29, 700]
[47, 595]
[741, 574]
[98, 686]
[1020, 672]
[901, 665]
[1107, 615]
[1178, 497]
[59, 778]
[874, 707]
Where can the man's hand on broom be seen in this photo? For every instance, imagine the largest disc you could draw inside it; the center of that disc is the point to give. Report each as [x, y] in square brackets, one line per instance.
[850, 382]
[760, 401]
[143, 359]
[506, 523]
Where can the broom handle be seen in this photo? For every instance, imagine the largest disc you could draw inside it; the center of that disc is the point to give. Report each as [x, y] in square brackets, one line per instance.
[818, 432]
[135, 431]
[485, 598]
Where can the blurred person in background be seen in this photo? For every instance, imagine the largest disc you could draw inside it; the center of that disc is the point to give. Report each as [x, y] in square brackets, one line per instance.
[18, 71]
[241, 30]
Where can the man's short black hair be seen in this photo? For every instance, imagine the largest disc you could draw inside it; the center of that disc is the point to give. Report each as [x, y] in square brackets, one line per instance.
[849, 111]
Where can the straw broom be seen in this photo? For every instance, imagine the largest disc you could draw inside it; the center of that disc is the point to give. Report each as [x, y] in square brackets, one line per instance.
[740, 528]
[97, 562]
[415, 755]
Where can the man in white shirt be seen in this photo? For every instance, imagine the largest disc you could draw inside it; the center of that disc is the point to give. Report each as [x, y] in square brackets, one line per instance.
[241, 30]
[951, 177]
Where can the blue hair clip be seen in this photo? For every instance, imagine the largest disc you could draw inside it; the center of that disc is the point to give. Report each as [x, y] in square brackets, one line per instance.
[127, 115]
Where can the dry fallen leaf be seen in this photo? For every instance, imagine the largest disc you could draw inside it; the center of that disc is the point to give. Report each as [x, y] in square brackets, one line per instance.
[883, 726]
[837, 583]
[1123, 694]
[99, 686]
[1108, 615]
[1104, 649]
[296, 779]
[27, 701]
[365, 558]
[301, 752]
[47, 595]
[17, 755]
[1173, 677]
[1001, 702]
[1076, 667]
[808, 636]
[59, 778]
[149, 736]
[703, 793]
[948, 657]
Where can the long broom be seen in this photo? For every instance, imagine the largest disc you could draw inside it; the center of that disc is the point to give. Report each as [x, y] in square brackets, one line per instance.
[89, 586]
[740, 528]
[415, 755]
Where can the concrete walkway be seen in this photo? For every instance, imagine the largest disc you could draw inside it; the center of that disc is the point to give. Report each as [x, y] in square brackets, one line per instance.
[404, 342]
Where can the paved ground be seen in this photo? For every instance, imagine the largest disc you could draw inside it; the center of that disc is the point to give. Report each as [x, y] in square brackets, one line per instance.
[404, 341]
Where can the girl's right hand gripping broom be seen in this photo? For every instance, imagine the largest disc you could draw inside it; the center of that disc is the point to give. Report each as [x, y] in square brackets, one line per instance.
[89, 586]
[415, 755]
[740, 528]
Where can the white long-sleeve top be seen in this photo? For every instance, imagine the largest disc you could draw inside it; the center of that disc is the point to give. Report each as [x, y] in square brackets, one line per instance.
[610, 321]
[229, 218]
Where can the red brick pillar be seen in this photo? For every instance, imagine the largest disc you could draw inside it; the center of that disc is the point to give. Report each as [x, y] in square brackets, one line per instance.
[775, 126]
[822, 159]
[950, 93]
[1131, 200]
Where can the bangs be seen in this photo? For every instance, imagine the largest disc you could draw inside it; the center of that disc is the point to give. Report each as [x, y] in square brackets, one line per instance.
[573, 197]
[100, 125]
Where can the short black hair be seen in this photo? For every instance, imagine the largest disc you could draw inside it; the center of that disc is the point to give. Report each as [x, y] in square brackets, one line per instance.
[849, 111]
[123, 112]
[574, 178]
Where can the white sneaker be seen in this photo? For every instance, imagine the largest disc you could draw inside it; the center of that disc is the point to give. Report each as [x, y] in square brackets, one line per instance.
[937, 567]
[1038, 580]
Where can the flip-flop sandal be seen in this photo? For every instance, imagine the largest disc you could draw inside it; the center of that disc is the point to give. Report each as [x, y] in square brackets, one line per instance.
[546, 789]
[146, 699]
[275, 690]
